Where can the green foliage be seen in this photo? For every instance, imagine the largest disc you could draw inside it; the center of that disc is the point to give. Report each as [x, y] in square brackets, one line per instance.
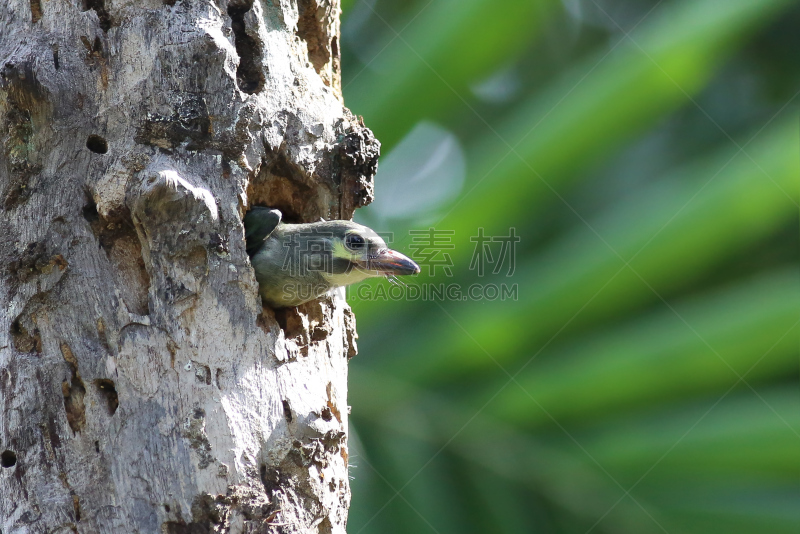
[644, 380]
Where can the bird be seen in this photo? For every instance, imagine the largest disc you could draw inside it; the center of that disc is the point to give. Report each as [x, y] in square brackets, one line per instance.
[296, 263]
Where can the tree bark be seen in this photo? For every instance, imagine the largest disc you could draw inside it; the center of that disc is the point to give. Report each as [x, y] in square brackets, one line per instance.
[143, 387]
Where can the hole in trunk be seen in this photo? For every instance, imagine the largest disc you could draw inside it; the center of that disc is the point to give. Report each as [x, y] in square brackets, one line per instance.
[8, 458]
[74, 391]
[97, 144]
[109, 393]
[24, 341]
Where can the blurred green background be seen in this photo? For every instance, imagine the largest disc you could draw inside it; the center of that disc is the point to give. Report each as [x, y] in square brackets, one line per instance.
[647, 155]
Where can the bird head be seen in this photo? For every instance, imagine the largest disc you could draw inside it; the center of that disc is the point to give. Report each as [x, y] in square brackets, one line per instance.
[295, 263]
[345, 252]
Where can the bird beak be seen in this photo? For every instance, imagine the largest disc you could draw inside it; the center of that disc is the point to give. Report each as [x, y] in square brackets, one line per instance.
[391, 262]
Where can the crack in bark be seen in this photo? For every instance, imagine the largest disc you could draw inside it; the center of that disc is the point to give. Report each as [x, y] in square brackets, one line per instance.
[36, 10]
[249, 75]
[99, 7]
[312, 30]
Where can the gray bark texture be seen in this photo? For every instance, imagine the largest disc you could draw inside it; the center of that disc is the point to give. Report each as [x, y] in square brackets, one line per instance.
[143, 388]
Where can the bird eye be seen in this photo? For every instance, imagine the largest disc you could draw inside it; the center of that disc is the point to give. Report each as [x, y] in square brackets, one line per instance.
[354, 242]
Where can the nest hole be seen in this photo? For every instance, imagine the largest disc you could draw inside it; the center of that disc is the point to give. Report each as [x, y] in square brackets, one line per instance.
[8, 458]
[97, 144]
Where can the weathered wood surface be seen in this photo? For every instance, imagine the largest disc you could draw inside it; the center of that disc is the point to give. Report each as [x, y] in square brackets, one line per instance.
[142, 386]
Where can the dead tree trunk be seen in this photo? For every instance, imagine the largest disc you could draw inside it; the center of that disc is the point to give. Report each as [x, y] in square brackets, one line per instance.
[143, 388]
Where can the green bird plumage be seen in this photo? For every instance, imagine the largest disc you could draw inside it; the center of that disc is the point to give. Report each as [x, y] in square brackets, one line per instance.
[295, 263]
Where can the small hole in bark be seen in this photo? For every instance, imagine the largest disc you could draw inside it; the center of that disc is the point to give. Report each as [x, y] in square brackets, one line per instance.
[24, 341]
[97, 144]
[202, 374]
[8, 458]
[287, 411]
[109, 393]
[55, 56]
[272, 479]
[166, 508]
[90, 212]
[97, 447]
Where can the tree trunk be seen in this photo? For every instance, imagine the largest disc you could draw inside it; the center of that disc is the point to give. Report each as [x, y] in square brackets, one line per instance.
[144, 388]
